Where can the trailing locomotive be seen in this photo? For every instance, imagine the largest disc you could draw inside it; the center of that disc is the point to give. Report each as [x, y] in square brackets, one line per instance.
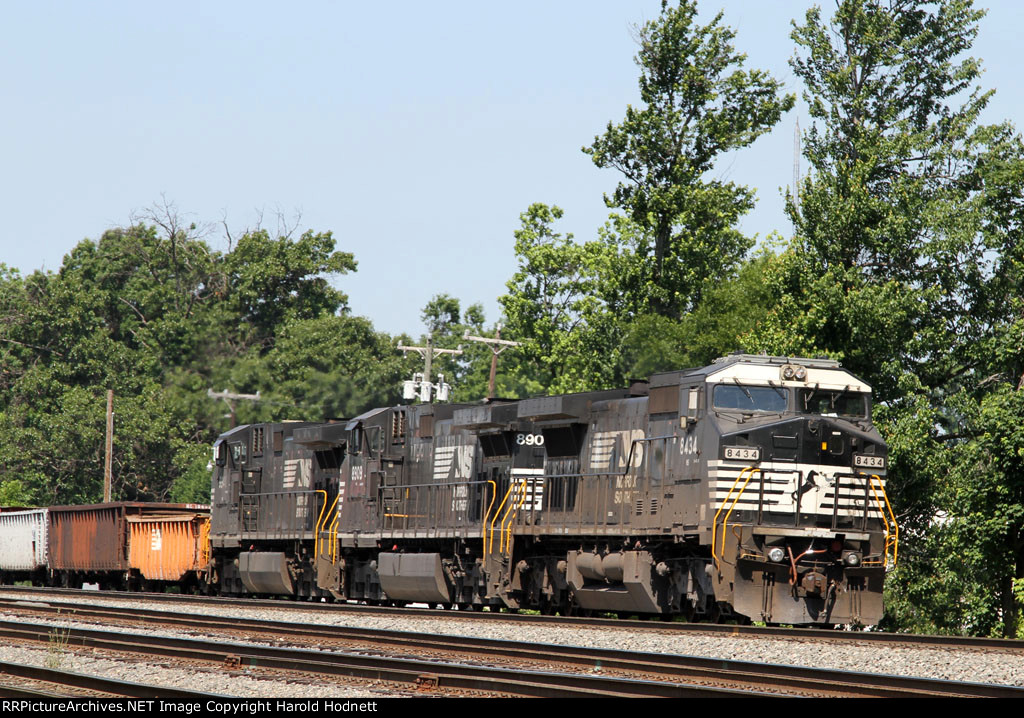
[751, 487]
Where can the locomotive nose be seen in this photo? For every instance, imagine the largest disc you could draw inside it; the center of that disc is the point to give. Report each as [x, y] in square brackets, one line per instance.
[827, 443]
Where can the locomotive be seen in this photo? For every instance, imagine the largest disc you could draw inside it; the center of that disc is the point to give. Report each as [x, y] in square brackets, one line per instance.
[753, 487]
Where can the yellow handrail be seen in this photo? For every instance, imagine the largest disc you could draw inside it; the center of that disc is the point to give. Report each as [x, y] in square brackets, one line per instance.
[316, 529]
[714, 524]
[510, 514]
[333, 532]
[891, 538]
[490, 545]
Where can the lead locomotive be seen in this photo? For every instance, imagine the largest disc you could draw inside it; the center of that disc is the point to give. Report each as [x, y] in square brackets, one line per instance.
[752, 487]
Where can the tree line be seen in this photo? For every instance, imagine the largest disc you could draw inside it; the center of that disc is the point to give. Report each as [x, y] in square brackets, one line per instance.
[905, 264]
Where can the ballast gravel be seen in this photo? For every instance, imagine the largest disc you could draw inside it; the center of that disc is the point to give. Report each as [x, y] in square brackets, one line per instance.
[971, 665]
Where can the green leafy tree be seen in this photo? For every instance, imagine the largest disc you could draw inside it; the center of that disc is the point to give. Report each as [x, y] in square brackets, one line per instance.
[882, 263]
[553, 308]
[593, 314]
[467, 373]
[331, 366]
[151, 312]
[271, 280]
[906, 249]
[716, 327]
[698, 102]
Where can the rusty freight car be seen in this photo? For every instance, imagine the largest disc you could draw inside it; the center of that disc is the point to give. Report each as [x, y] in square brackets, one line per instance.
[128, 545]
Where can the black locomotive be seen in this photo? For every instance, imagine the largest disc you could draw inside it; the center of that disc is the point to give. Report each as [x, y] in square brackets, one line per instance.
[752, 487]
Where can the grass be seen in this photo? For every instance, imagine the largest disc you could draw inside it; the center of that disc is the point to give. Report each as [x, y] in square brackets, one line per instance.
[57, 646]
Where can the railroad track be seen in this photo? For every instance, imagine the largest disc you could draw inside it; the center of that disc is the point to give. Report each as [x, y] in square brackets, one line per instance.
[424, 675]
[607, 671]
[18, 680]
[837, 636]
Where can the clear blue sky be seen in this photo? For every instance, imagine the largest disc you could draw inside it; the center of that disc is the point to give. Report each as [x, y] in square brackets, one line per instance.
[416, 132]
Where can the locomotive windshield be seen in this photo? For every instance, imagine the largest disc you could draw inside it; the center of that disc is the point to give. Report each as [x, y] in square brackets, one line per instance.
[751, 398]
[833, 403]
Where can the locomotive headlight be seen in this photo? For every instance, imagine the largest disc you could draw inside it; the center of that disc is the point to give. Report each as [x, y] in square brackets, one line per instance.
[790, 372]
[852, 559]
[776, 554]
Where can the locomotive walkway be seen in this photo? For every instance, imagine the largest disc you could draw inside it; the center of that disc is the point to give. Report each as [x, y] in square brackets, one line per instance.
[608, 672]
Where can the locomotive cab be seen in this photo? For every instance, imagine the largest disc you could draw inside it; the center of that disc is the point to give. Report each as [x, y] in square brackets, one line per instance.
[801, 530]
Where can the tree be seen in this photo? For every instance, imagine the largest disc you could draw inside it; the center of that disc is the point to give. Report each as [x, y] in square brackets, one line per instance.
[714, 328]
[881, 239]
[552, 307]
[593, 314]
[698, 103]
[908, 237]
[271, 280]
[151, 312]
[330, 366]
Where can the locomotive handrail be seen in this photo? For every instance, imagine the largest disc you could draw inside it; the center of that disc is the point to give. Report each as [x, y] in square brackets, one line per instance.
[510, 514]
[714, 523]
[891, 539]
[261, 512]
[494, 495]
[435, 484]
[320, 520]
[725, 521]
[490, 545]
[333, 533]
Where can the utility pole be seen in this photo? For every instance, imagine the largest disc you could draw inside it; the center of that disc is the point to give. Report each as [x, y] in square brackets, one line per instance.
[229, 397]
[423, 385]
[109, 446]
[497, 345]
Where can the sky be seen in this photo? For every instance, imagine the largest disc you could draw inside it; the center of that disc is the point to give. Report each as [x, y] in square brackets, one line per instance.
[416, 132]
